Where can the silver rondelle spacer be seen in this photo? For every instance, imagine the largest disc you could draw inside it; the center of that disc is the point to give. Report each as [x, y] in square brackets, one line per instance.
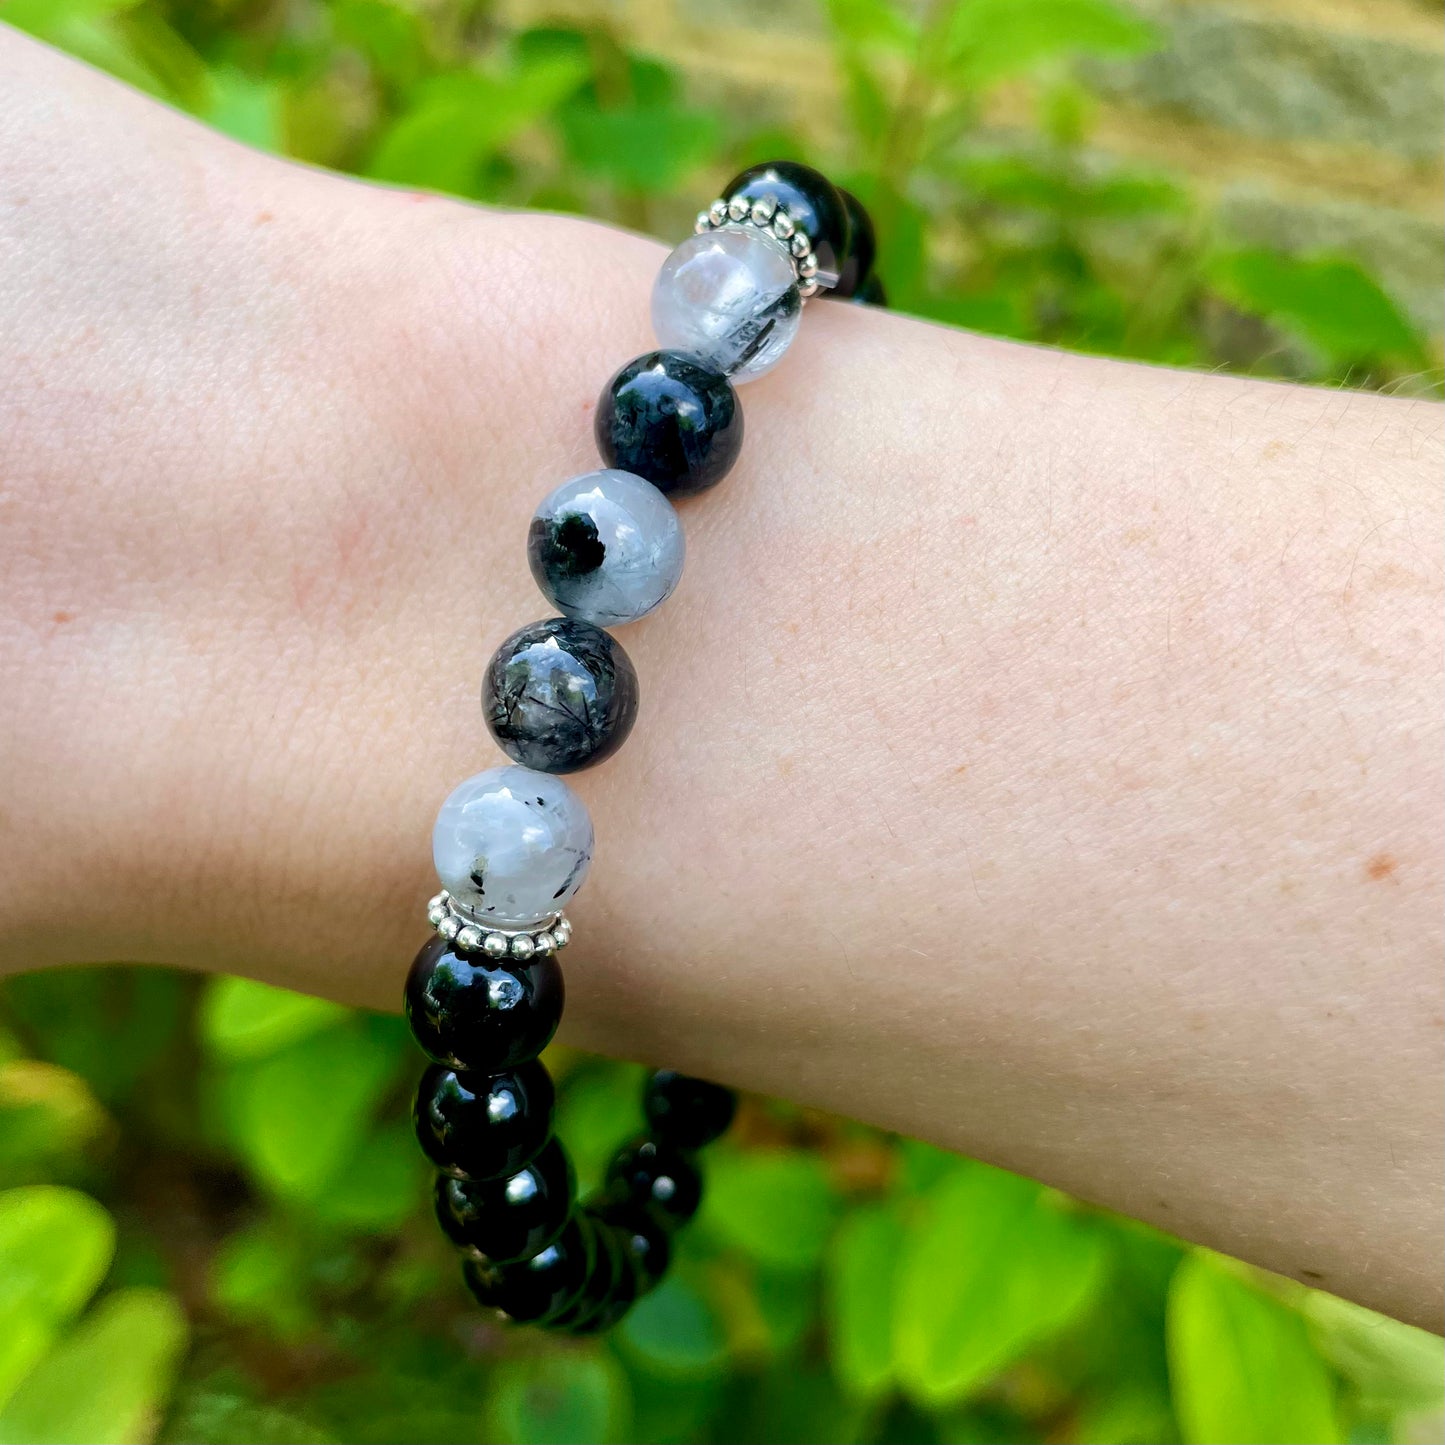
[471, 935]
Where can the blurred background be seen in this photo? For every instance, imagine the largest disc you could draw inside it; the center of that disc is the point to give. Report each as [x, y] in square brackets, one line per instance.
[213, 1220]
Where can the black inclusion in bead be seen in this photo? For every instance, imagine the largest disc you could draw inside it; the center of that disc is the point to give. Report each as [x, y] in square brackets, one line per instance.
[474, 1014]
[658, 1177]
[541, 1287]
[483, 1126]
[671, 420]
[685, 1111]
[512, 1218]
[643, 1239]
[812, 201]
[862, 249]
[560, 695]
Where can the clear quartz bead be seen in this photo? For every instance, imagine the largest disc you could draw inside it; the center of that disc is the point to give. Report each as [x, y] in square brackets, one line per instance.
[730, 298]
[606, 548]
[512, 846]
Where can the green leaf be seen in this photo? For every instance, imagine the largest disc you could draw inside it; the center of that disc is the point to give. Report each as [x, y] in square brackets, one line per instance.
[862, 1271]
[1327, 301]
[457, 121]
[558, 1400]
[598, 1106]
[55, 1246]
[644, 148]
[49, 18]
[1241, 1363]
[989, 40]
[108, 1380]
[777, 1207]
[1391, 1366]
[381, 1185]
[245, 108]
[242, 1019]
[995, 1266]
[298, 1115]
[260, 1274]
[872, 23]
[48, 1115]
[674, 1332]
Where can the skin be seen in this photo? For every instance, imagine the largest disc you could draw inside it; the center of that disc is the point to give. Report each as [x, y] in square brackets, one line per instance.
[1040, 756]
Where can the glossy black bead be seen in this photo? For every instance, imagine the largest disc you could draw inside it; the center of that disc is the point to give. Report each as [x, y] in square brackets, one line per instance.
[541, 1287]
[870, 292]
[512, 1218]
[685, 1111]
[621, 1295]
[644, 1240]
[812, 201]
[472, 1013]
[671, 420]
[483, 1126]
[560, 695]
[657, 1177]
[862, 249]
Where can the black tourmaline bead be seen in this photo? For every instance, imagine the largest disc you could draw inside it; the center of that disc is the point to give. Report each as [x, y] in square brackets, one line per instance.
[862, 249]
[644, 1240]
[474, 1014]
[671, 420]
[483, 1126]
[541, 1287]
[560, 695]
[685, 1111]
[623, 1292]
[813, 203]
[658, 1177]
[512, 1218]
[611, 1280]
[870, 293]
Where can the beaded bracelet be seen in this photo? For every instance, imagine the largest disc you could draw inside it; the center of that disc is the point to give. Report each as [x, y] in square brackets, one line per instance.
[512, 845]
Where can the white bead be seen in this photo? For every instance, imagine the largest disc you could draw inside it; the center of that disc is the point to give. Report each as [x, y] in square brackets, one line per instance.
[730, 297]
[512, 846]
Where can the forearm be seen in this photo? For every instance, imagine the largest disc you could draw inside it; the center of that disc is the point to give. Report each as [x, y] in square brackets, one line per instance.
[1037, 757]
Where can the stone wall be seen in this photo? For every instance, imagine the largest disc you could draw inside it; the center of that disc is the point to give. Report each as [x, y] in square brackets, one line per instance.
[1312, 124]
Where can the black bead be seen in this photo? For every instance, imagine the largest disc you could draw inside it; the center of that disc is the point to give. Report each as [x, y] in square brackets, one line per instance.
[513, 1218]
[483, 1126]
[474, 1014]
[658, 1177]
[541, 1287]
[611, 1283]
[643, 1239]
[685, 1111]
[870, 292]
[560, 695]
[862, 249]
[671, 420]
[620, 1298]
[813, 203]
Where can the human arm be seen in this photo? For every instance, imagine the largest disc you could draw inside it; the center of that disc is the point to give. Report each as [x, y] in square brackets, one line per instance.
[1040, 755]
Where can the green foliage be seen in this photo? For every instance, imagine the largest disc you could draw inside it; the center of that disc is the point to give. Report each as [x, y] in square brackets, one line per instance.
[240, 1157]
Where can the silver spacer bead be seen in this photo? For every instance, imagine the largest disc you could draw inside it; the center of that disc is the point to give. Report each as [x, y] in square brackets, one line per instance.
[449, 927]
[801, 245]
[809, 288]
[523, 946]
[545, 941]
[783, 226]
[764, 209]
[717, 213]
[472, 935]
[469, 938]
[494, 945]
[436, 913]
[703, 222]
[562, 932]
[738, 209]
[808, 266]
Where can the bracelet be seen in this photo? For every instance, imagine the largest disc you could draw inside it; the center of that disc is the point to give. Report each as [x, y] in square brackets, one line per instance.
[512, 845]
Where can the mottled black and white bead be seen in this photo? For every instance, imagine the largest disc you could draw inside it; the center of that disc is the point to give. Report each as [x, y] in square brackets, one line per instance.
[483, 1126]
[560, 695]
[606, 548]
[512, 1218]
[670, 419]
[512, 847]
